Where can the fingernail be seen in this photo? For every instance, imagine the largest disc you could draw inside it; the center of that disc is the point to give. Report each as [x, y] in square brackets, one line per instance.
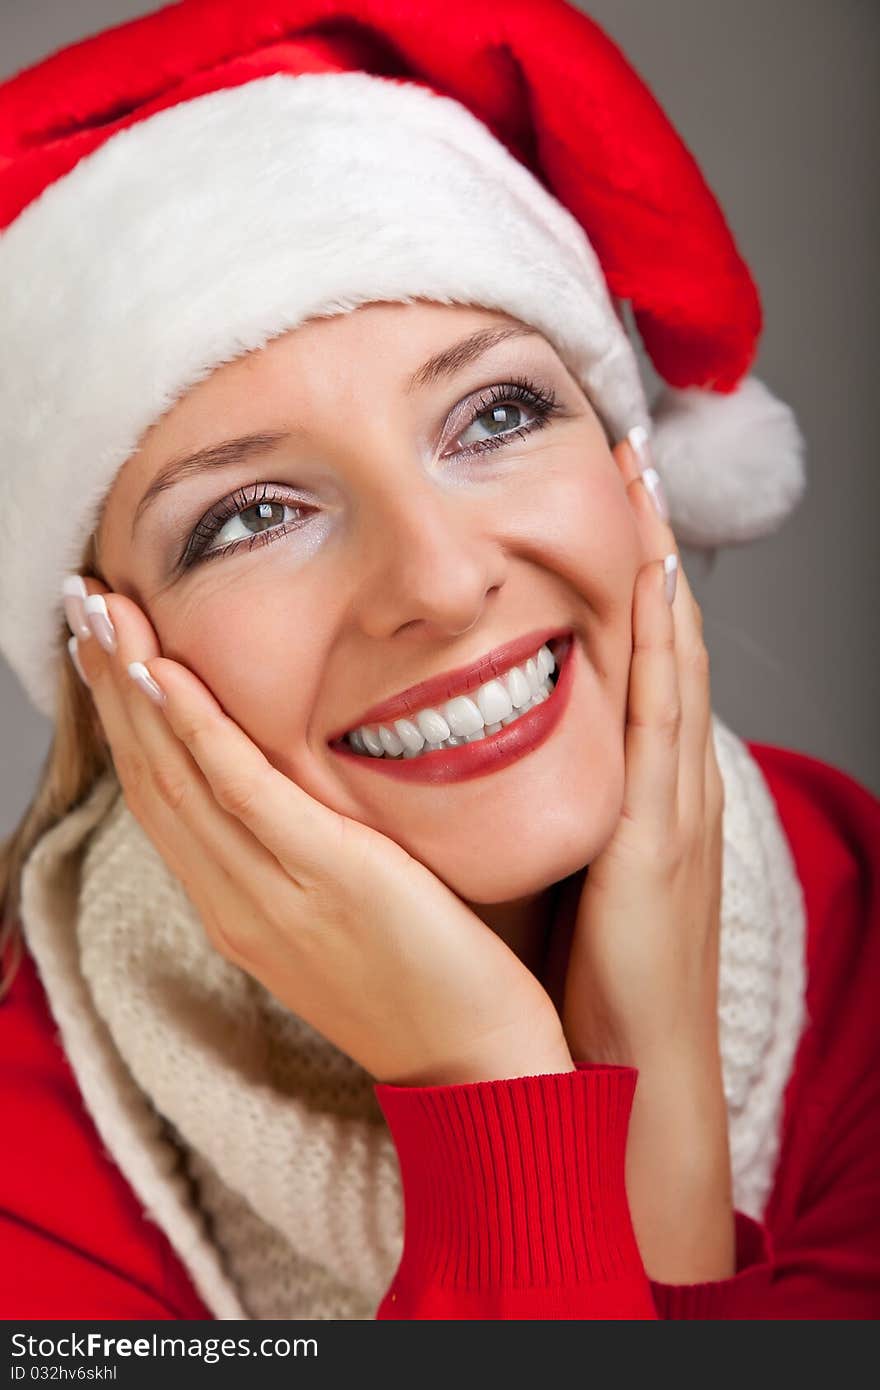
[651, 479]
[99, 621]
[640, 444]
[74, 594]
[142, 678]
[670, 566]
[74, 656]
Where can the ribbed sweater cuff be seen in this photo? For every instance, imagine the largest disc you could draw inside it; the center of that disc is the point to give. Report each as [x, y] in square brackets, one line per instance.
[739, 1296]
[513, 1187]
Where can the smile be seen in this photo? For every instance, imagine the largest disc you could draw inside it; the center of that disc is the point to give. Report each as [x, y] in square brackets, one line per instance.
[470, 735]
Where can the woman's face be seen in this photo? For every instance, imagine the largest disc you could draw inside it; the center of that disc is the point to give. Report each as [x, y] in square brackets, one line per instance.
[364, 541]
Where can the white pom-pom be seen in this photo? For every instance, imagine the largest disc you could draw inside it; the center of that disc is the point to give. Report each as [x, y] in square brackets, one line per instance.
[732, 466]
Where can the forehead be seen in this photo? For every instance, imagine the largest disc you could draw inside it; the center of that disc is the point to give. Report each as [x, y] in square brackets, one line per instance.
[373, 343]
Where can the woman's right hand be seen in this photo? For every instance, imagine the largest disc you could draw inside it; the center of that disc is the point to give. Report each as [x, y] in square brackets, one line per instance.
[339, 922]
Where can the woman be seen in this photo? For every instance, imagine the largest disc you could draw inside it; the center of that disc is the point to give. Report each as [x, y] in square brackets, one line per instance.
[389, 850]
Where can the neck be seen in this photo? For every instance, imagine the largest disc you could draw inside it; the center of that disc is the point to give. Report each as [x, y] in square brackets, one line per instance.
[538, 929]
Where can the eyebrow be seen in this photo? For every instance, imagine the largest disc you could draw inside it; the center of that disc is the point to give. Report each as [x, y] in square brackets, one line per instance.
[452, 359]
[231, 452]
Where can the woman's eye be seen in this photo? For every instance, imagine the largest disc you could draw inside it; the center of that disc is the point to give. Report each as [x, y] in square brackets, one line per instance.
[254, 516]
[498, 420]
[250, 517]
[250, 521]
[512, 410]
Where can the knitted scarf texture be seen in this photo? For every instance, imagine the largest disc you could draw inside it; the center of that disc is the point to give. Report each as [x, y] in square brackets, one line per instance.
[257, 1145]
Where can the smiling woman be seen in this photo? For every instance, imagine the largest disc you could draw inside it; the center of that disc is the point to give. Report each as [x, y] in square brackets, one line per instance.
[408, 522]
[389, 850]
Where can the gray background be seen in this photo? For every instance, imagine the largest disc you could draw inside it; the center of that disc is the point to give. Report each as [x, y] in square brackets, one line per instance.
[778, 100]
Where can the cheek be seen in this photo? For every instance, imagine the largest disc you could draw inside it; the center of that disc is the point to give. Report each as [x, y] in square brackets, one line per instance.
[257, 649]
[594, 533]
[589, 538]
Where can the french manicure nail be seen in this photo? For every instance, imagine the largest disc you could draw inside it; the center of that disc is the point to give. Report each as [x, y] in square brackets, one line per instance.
[74, 594]
[640, 444]
[99, 621]
[670, 566]
[74, 656]
[142, 678]
[651, 479]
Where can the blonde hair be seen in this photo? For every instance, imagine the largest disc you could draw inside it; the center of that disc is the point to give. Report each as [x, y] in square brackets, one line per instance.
[77, 756]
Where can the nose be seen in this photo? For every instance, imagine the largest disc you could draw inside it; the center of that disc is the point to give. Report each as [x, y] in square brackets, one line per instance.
[429, 565]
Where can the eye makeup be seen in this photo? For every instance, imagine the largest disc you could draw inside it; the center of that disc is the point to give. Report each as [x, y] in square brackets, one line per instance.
[519, 392]
[255, 496]
[541, 400]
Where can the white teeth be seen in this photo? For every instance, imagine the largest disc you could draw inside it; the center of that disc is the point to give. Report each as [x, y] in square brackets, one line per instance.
[494, 702]
[409, 735]
[517, 687]
[534, 679]
[463, 716]
[432, 725]
[390, 742]
[464, 719]
[372, 740]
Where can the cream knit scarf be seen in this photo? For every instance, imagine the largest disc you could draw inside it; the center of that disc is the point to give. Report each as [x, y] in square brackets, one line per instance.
[256, 1145]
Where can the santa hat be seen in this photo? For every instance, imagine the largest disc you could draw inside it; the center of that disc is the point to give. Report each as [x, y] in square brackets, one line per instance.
[178, 190]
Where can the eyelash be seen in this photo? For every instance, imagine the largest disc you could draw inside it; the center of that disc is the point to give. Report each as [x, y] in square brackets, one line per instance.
[542, 400]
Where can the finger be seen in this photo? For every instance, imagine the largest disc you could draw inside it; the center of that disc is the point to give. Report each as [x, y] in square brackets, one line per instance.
[653, 710]
[629, 462]
[694, 685]
[304, 836]
[713, 782]
[692, 660]
[78, 643]
[129, 758]
[170, 790]
[98, 667]
[227, 874]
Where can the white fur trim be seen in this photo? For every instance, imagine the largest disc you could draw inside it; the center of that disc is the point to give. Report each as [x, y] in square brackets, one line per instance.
[732, 465]
[194, 237]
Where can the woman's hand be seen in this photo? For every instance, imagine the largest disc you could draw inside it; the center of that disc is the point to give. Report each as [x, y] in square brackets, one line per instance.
[641, 987]
[336, 920]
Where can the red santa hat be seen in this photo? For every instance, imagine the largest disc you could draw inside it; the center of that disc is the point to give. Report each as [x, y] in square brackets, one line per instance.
[178, 190]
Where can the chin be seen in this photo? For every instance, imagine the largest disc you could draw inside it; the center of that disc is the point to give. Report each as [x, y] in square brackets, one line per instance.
[561, 840]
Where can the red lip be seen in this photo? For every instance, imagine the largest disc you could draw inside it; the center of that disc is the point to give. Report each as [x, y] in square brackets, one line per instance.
[458, 682]
[486, 755]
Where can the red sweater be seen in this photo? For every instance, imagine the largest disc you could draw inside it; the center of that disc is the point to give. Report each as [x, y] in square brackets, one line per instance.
[514, 1191]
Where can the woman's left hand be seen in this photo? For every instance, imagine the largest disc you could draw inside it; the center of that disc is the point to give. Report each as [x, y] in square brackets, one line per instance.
[641, 987]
